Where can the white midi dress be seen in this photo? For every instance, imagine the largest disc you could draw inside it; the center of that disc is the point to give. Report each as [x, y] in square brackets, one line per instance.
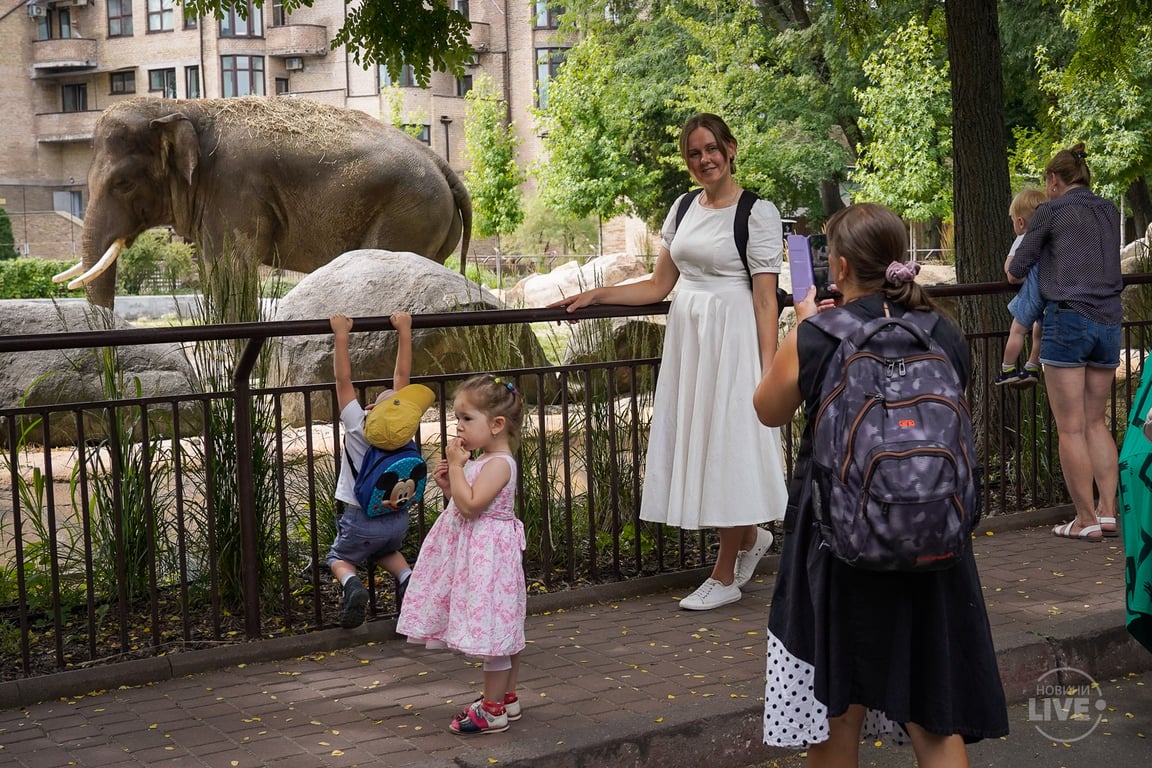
[710, 462]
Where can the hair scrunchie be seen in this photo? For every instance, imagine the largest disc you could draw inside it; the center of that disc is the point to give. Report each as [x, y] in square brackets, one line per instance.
[901, 272]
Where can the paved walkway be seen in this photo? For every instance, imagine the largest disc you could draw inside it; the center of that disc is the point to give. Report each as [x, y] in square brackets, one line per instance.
[627, 682]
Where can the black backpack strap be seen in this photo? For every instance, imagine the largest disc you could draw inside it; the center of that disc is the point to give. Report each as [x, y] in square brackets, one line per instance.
[355, 474]
[748, 199]
[685, 204]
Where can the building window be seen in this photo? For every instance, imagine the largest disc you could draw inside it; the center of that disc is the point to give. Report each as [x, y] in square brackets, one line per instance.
[76, 97]
[162, 81]
[76, 203]
[425, 134]
[65, 17]
[548, 62]
[161, 15]
[281, 86]
[548, 15]
[407, 77]
[462, 8]
[463, 85]
[123, 82]
[191, 82]
[190, 20]
[242, 76]
[234, 25]
[119, 18]
[279, 15]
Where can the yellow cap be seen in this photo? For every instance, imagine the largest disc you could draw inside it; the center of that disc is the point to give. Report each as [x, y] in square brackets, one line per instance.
[393, 421]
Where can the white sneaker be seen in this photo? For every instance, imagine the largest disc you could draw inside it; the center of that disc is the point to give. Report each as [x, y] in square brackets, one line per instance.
[748, 559]
[711, 594]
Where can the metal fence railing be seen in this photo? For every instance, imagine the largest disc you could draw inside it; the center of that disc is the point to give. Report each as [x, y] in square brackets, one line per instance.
[178, 522]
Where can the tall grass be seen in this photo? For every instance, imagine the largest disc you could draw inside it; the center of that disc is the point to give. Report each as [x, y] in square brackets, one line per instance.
[231, 289]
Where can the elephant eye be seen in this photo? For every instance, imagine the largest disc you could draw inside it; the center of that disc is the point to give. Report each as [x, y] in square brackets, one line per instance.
[123, 186]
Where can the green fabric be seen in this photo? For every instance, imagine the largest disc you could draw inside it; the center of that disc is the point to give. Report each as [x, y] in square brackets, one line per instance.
[1136, 514]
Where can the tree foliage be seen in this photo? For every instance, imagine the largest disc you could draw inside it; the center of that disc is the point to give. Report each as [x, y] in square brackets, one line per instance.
[493, 177]
[905, 113]
[426, 34]
[7, 239]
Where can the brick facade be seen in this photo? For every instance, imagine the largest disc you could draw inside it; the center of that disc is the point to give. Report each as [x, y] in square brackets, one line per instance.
[65, 61]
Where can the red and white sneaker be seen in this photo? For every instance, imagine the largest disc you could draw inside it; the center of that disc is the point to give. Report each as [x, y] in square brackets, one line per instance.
[477, 719]
[511, 706]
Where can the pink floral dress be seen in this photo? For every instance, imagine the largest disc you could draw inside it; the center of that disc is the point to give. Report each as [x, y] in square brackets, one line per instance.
[467, 589]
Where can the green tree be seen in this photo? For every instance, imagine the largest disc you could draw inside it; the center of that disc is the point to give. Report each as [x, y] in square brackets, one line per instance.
[7, 239]
[412, 123]
[1103, 99]
[427, 34]
[493, 178]
[905, 113]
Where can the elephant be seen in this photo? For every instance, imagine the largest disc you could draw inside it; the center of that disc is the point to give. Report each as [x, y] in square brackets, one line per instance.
[273, 180]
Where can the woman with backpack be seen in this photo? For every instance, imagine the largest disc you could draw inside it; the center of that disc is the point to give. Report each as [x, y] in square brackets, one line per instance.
[855, 652]
[709, 463]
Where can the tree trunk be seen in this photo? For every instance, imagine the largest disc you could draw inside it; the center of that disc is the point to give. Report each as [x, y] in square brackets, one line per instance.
[830, 199]
[981, 196]
[981, 193]
[1140, 208]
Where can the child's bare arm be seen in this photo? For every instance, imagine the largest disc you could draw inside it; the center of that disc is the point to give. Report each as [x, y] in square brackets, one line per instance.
[341, 360]
[401, 374]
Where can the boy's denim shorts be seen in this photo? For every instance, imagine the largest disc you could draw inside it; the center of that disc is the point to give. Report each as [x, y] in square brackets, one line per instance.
[1071, 340]
[362, 539]
[1027, 306]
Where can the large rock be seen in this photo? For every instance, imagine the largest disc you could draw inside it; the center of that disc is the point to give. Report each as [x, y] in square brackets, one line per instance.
[370, 283]
[53, 377]
[570, 278]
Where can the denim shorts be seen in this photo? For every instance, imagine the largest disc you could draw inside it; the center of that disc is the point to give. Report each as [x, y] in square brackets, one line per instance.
[361, 539]
[1027, 306]
[1071, 340]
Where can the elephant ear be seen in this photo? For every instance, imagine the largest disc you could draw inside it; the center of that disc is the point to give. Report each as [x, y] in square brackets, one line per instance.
[179, 141]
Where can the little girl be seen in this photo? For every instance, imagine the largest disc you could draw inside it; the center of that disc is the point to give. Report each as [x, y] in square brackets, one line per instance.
[467, 588]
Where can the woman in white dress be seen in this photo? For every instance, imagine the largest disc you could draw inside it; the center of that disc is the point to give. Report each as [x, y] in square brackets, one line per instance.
[710, 463]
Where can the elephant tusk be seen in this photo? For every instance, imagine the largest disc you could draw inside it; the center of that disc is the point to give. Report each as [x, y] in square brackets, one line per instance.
[98, 268]
[69, 273]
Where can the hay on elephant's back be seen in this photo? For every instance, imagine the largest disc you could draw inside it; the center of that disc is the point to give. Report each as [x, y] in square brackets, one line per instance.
[280, 118]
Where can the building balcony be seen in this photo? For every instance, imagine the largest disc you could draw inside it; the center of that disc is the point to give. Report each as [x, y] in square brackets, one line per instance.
[296, 40]
[56, 127]
[63, 55]
[480, 36]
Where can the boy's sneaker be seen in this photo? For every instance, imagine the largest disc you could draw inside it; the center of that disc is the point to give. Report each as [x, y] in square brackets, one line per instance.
[1029, 377]
[476, 719]
[747, 559]
[711, 594]
[353, 605]
[1008, 377]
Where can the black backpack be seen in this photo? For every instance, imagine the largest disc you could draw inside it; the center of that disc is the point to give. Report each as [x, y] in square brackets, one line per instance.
[893, 476]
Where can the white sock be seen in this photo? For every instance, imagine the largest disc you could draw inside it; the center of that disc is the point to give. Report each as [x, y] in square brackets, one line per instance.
[403, 576]
[345, 577]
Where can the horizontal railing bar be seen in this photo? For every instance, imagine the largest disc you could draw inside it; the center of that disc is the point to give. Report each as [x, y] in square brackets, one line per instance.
[267, 330]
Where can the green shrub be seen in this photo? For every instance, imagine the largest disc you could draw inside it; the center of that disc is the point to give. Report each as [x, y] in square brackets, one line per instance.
[154, 255]
[7, 239]
[32, 279]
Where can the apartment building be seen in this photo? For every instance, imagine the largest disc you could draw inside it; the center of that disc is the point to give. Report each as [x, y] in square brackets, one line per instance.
[67, 60]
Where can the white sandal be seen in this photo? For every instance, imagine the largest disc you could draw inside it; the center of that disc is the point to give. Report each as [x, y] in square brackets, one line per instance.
[1085, 534]
[1112, 530]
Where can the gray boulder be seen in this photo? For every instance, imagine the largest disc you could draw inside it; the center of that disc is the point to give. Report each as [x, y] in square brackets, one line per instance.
[373, 283]
[54, 377]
